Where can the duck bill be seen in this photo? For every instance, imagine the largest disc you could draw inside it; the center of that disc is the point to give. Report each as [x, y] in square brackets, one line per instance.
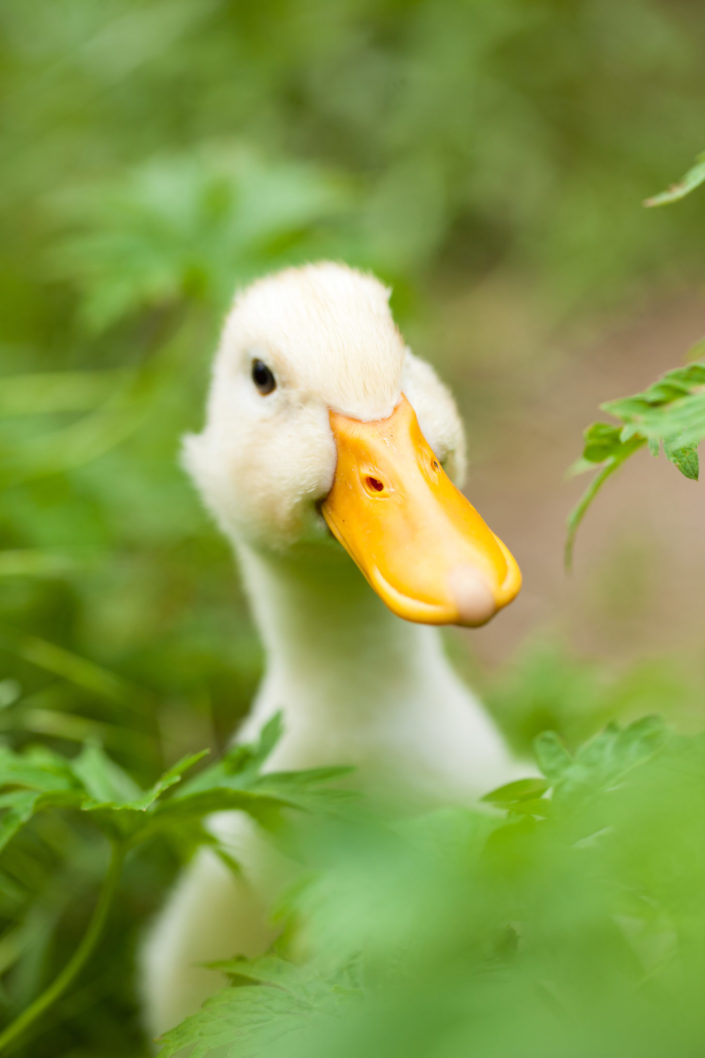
[421, 545]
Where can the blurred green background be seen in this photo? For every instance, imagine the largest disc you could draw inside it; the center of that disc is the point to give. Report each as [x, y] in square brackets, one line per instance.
[489, 161]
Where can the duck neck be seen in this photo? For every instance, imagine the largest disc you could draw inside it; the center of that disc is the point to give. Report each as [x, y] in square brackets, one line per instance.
[332, 645]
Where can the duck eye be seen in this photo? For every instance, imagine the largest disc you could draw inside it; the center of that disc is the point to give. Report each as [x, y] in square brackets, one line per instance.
[263, 378]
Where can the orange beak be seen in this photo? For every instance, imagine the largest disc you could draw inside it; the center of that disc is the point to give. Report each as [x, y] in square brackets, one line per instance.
[422, 546]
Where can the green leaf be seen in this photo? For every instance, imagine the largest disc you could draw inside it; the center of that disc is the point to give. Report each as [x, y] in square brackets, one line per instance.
[278, 1002]
[692, 179]
[170, 778]
[16, 809]
[268, 739]
[669, 415]
[259, 796]
[35, 769]
[551, 755]
[239, 761]
[601, 442]
[685, 459]
[641, 739]
[191, 225]
[604, 760]
[513, 793]
[102, 779]
[96, 784]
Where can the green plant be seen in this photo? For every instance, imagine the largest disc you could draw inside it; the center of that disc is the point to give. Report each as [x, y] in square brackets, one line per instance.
[669, 416]
[157, 154]
[40, 780]
[192, 227]
[569, 920]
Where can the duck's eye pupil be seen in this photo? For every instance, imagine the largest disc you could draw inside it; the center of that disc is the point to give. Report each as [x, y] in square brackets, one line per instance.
[262, 377]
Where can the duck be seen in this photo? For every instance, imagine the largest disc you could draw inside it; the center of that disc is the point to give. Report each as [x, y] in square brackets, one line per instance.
[333, 458]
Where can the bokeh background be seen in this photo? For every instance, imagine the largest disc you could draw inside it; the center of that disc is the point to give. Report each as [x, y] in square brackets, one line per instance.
[489, 161]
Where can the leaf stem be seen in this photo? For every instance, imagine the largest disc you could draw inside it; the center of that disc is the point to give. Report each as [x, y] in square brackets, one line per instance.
[627, 449]
[79, 957]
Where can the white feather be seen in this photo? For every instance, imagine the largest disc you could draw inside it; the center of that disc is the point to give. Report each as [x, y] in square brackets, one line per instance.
[356, 684]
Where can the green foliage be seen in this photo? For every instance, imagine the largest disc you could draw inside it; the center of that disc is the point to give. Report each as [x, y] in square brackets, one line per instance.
[39, 779]
[193, 227]
[692, 180]
[157, 154]
[669, 416]
[568, 921]
[426, 106]
[546, 685]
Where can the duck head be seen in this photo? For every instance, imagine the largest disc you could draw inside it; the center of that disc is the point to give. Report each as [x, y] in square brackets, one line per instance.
[320, 420]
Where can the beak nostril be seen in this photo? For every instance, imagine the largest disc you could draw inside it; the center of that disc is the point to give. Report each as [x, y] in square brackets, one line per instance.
[374, 484]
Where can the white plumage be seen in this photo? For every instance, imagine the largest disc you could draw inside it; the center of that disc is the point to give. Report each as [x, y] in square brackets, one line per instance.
[355, 682]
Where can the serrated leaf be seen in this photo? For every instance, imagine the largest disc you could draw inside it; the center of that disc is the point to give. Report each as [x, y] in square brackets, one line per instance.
[685, 459]
[245, 1021]
[93, 782]
[170, 778]
[670, 414]
[692, 374]
[626, 408]
[268, 739]
[174, 810]
[551, 755]
[275, 1006]
[239, 761]
[603, 761]
[669, 389]
[36, 769]
[103, 780]
[602, 440]
[641, 739]
[259, 796]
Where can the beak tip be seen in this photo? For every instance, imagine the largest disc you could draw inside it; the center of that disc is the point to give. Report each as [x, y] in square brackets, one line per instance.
[473, 596]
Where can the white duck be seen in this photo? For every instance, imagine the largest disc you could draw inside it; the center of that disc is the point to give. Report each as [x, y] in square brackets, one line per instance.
[320, 421]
